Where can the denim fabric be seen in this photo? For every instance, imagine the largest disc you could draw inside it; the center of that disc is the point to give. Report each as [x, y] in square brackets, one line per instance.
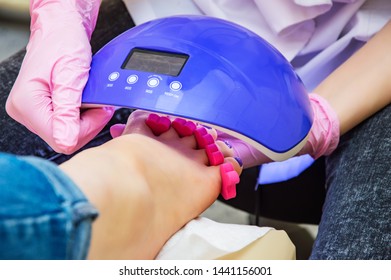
[43, 214]
[356, 220]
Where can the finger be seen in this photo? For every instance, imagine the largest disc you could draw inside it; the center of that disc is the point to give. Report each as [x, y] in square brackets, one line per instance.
[30, 103]
[92, 121]
[69, 76]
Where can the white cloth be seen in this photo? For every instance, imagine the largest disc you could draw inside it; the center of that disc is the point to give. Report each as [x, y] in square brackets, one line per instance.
[204, 239]
[315, 35]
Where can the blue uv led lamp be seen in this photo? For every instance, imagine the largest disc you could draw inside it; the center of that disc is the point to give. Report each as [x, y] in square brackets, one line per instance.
[210, 71]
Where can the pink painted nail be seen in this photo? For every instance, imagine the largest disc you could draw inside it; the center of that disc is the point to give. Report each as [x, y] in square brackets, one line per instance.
[203, 138]
[158, 124]
[214, 155]
[229, 179]
[183, 127]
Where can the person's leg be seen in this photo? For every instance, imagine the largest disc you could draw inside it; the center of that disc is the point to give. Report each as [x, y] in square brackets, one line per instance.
[357, 212]
[15, 138]
[145, 188]
[159, 184]
[43, 215]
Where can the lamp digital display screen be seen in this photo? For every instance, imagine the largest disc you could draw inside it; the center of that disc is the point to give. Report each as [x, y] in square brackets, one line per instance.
[155, 62]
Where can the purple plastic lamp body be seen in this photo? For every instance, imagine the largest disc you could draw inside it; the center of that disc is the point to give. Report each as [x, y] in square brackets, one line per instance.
[208, 70]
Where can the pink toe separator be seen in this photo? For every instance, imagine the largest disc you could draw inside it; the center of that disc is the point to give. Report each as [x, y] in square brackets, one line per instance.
[214, 155]
[183, 127]
[158, 124]
[203, 138]
[229, 179]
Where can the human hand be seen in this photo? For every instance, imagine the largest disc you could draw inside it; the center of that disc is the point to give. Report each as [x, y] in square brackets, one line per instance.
[166, 130]
[46, 96]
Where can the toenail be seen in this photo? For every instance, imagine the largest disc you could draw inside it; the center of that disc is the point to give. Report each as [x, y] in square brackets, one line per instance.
[227, 143]
[239, 160]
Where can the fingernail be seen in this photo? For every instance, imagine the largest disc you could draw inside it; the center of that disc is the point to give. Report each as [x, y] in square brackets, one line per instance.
[239, 161]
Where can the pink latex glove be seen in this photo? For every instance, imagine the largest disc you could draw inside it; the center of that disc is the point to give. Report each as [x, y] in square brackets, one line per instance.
[46, 96]
[322, 140]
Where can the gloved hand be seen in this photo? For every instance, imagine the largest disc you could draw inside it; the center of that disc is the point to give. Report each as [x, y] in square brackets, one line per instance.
[46, 96]
[323, 137]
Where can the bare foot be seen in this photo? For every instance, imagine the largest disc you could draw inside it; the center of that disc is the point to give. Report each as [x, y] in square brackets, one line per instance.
[160, 183]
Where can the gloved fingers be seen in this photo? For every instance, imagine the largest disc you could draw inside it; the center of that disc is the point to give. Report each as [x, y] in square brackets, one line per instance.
[325, 131]
[34, 110]
[90, 124]
[73, 132]
[89, 11]
[69, 76]
[52, 13]
[46, 96]
[92, 121]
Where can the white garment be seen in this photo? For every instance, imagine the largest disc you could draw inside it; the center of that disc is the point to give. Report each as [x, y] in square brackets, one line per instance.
[315, 35]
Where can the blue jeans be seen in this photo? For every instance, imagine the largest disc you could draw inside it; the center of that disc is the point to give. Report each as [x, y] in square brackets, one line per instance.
[43, 214]
[356, 219]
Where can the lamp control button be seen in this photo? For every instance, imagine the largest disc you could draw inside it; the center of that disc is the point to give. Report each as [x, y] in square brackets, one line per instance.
[132, 79]
[113, 76]
[153, 82]
[175, 86]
